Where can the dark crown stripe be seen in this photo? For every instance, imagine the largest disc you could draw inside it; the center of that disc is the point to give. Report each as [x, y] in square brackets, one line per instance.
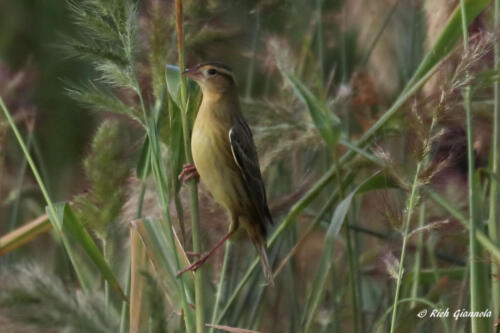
[221, 69]
[217, 65]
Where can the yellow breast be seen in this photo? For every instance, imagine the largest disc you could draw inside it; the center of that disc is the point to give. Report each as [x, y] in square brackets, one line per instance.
[215, 164]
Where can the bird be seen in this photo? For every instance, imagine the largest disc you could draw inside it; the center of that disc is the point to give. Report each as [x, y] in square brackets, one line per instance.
[225, 160]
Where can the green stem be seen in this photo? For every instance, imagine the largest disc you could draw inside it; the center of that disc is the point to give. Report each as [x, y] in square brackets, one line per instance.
[380, 31]
[484, 240]
[222, 284]
[352, 278]
[124, 309]
[351, 256]
[33, 167]
[417, 265]
[22, 172]
[193, 188]
[473, 245]
[493, 214]
[106, 283]
[409, 212]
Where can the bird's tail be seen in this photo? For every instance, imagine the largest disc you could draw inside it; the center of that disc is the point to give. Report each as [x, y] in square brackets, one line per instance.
[266, 267]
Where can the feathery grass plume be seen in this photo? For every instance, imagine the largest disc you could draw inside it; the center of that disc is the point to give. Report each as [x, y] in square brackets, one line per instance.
[391, 265]
[473, 61]
[99, 99]
[31, 296]
[108, 41]
[429, 227]
[106, 171]
[280, 130]
[391, 167]
[423, 133]
[107, 30]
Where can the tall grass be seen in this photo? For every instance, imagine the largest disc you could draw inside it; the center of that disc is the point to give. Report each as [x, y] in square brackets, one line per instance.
[331, 163]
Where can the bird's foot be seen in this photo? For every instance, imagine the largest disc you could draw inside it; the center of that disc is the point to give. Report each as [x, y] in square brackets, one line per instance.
[194, 266]
[206, 255]
[188, 172]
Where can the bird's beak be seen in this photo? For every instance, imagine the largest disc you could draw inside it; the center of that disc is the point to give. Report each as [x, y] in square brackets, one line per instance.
[192, 73]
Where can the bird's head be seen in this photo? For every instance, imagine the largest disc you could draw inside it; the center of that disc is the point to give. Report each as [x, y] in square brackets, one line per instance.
[213, 78]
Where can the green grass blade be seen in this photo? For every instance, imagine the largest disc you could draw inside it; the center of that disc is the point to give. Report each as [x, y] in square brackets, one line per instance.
[448, 37]
[478, 274]
[143, 170]
[327, 123]
[76, 239]
[316, 294]
[428, 276]
[493, 229]
[173, 82]
[378, 327]
[222, 285]
[161, 251]
[484, 240]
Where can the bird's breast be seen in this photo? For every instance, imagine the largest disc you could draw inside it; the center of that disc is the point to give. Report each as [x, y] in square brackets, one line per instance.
[215, 164]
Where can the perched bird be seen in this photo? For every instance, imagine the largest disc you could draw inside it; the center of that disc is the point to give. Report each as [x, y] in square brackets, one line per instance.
[226, 160]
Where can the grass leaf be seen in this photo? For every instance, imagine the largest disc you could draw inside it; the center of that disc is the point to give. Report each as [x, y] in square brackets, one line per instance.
[327, 123]
[81, 249]
[173, 82]
[142, 171]
[448, 37]
[24, 234]
[161, 253]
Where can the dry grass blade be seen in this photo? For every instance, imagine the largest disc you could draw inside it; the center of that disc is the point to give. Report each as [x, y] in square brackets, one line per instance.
[159, 251]
[24, 234]
[138, 317]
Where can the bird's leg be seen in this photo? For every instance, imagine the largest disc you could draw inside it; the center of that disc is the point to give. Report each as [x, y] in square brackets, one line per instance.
[197, 264]
[188, 171]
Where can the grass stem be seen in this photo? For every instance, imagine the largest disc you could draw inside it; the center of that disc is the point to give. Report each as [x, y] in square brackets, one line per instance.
[193, 188]
[32, 165]
[221, 287]
[417, 265]
[494, 204]
[412, 200]
[475, 271]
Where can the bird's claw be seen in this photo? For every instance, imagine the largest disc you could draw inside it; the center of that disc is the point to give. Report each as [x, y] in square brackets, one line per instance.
[194, 266]
[188, 172]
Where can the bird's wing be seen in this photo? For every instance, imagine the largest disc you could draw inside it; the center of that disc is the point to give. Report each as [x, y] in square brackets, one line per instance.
[245, 156]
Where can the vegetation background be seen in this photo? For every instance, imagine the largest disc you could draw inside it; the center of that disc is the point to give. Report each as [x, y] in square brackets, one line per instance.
[377, 129]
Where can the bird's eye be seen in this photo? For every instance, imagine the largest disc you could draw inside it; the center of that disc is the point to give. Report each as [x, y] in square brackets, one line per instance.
[211, 71]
